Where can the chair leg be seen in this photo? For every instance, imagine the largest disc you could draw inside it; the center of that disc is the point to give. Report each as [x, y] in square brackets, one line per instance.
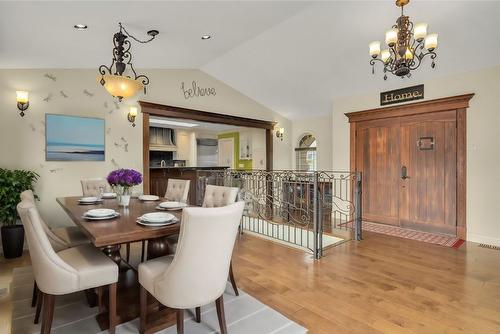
[143, 250]
[219, 303]
[35, 294]
[143, 298]
[100, 299]
[180, 321]
[198, 314]
[39, 304]
[48, 313]
[127, 256]
[231, 278]
[112, 308]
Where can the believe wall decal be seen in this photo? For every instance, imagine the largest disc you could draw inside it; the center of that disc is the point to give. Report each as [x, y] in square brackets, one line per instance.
[197, 91]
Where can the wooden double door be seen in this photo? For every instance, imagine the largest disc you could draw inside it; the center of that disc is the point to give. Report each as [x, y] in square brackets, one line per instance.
[409, 167]
[413, 163]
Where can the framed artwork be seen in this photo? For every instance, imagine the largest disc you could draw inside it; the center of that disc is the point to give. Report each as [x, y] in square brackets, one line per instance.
[74, 138]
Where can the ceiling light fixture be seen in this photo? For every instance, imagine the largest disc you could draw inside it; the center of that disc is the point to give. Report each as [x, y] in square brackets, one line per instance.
[407, 46]
[204, 37]
[120, 78]
[80, 26]
[173, 123]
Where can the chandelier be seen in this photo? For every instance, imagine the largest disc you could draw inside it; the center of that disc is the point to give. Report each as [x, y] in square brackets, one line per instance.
[120, 78]
[407, 45]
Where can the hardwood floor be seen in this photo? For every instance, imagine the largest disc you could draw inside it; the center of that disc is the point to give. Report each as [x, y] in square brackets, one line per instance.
[380, 285]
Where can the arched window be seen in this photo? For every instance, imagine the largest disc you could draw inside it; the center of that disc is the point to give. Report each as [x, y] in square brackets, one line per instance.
[305, 154]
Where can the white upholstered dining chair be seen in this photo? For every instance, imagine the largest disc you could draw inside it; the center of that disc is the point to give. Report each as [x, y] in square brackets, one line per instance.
[60, 238]
[197, 273]
[90, 187]
[67, 271]
[177, 190]
[215, 197]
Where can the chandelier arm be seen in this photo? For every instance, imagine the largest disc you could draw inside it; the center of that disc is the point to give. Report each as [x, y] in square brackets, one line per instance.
[135, 38]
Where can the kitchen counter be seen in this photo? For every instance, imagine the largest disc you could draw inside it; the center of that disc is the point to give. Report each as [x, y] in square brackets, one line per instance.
[158, 179]
[188, 168]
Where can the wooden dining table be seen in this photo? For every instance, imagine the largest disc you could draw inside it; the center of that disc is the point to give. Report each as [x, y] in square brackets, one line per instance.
[110, 234]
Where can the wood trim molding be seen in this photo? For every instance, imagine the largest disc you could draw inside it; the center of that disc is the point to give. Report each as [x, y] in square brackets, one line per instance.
[460, 104]
[202, 116]
[462, 173]
[443, 104]
[148, 109]
[145, 153]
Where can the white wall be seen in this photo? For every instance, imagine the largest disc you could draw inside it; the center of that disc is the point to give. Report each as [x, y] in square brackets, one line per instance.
[483, 142]
[321, 127]
[22, 140]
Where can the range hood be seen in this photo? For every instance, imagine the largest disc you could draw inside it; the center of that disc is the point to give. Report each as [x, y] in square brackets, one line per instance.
[162, 139]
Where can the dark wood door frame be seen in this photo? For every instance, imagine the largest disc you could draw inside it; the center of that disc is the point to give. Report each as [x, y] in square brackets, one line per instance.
[460, 104]
[153, 109]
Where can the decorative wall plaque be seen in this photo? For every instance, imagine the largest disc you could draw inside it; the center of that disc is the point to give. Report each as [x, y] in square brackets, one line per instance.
[402, 95]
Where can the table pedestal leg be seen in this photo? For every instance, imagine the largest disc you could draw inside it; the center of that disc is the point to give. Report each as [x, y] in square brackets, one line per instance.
[113, 252]
[157, 247]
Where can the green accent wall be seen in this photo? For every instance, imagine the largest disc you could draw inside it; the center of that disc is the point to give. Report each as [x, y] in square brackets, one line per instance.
[247, 164]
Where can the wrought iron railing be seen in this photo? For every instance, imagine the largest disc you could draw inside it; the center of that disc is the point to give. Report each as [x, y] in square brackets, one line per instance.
[300, 208]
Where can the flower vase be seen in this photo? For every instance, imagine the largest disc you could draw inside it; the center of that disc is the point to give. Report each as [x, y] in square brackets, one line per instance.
[123, 196]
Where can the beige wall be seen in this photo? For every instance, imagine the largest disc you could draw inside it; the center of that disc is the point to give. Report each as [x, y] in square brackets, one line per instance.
[22, 140]
[321, 128]
[483, 143]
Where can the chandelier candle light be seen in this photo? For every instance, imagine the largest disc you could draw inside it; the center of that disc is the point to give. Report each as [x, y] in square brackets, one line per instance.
[407, 45]
[120, 78]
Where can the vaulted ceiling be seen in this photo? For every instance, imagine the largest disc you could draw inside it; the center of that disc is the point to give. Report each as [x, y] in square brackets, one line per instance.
[293, 57]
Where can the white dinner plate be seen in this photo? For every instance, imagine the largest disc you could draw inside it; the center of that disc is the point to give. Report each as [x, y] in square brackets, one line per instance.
[149, 198]
[140, 222]
[88, 199]
[172, 205]
[116, 214]
[100, 212]
[108, 195]
[156, 217]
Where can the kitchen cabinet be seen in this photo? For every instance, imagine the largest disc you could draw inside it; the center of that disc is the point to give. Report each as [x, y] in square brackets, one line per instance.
[246, 145]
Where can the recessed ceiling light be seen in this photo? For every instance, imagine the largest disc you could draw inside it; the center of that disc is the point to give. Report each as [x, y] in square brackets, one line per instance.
[206, 36]
[80, 26]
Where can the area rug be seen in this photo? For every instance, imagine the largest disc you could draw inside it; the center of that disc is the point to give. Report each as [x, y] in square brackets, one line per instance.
[431, 238]
[286, 234]
[72, 315]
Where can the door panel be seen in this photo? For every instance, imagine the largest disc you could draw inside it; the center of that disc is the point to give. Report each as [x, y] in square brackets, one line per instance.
[428, 196]
[423, 145]
[378, 160]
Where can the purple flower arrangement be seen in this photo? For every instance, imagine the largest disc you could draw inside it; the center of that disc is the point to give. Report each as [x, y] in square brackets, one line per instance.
[124, 177]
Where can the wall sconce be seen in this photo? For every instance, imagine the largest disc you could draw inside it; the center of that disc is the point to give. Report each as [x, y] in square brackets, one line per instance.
[22, 101]
[132, 114]
[279, 133]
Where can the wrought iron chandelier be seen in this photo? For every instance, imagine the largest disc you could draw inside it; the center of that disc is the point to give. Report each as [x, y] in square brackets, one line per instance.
[407, 45]
[120, 78]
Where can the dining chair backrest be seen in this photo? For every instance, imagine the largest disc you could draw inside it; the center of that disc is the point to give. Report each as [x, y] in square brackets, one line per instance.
[56, 242]
[177, 190]
[217, 196]
[198, 273]
[28, 196]
[90, 187]
[52, 274]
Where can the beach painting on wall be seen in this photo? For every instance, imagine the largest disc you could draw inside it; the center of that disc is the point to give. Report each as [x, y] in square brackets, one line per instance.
[74, 138]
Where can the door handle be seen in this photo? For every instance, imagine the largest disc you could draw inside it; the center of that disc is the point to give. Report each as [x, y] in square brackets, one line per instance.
[404, 173]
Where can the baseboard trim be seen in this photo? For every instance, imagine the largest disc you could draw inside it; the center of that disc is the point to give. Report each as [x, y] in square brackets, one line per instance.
[482, 239]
